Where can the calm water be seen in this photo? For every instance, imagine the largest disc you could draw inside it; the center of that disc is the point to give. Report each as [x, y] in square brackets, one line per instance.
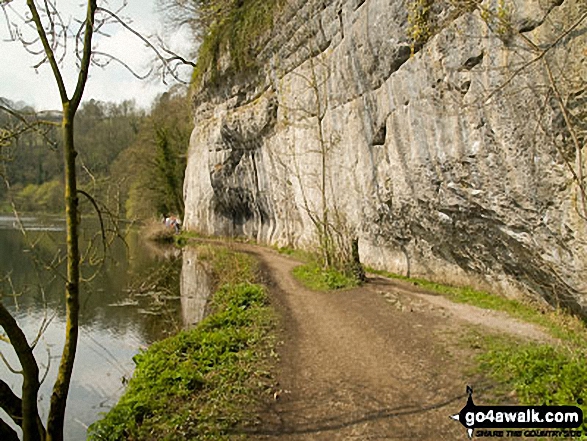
[129, 302]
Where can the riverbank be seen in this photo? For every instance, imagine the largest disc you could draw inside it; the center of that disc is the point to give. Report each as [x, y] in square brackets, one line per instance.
[390, 356]
[203, 383]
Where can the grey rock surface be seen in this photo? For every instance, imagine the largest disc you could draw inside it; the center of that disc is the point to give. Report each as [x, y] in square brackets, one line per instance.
[454, 163]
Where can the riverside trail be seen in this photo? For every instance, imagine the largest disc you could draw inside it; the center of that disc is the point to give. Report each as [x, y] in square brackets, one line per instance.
[378, 362]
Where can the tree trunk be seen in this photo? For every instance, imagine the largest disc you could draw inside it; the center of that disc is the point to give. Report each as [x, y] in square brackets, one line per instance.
[27, 416]
[61, 387]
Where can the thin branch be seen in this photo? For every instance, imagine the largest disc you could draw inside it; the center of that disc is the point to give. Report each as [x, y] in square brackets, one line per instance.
[48, 367]
[39, 126]
[10, 403]
[8, 365]
[174, 56]
[8, 24]
[537, 58]
[99, 213]
[150, 45]
[119, 61]
[577, 174]
[48, 50]
[86, 57]
[31, 427]
[53, 266]
[44, 326]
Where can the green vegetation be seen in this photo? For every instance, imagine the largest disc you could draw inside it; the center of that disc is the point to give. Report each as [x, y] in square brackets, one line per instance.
[559, 323]
[131, 162]
[46, 197]
[424, 22]
[314, 276]
[421, 26]
[295, 253]
[154, 166]
[204, 382]
[536, 373]
[236, 28]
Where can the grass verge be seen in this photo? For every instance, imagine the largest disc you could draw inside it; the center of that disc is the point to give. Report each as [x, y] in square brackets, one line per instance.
[533, 373]
[205, 382]
[297, 254]
[560, 324]
[314, 276]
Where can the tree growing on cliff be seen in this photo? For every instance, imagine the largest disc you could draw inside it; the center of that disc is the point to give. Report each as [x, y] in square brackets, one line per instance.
[337, 242]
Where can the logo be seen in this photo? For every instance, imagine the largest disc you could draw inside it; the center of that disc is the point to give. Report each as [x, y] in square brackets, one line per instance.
[520, 417]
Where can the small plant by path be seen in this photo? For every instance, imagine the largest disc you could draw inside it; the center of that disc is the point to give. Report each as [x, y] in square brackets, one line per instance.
[314, 276]
[535, 374]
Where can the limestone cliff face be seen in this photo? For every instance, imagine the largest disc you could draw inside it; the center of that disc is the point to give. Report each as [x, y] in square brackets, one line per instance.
[455, 163]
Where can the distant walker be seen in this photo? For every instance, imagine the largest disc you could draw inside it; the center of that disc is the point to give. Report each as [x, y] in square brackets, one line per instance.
[173, 222]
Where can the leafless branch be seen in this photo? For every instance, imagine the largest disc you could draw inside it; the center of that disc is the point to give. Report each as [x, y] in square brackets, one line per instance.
[8, 365]
[30, 388]
[27, 122]
[111, 58]
[99, 213]
[165, 61]
[537, 58]
[47, 368]
[10, 403]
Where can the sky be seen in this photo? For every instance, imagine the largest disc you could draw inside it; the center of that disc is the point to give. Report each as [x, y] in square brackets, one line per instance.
[19, 81]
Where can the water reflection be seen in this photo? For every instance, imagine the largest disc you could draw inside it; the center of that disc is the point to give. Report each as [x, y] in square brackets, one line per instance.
[195, 288]
[129, 303]
[32, 223]
[103, 359]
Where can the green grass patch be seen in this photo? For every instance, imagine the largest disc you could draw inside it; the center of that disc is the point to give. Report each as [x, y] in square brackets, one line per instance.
[315, 277]
[228, 267]
[537, 373]
[559, 323]
[204, 382]
[297, 254]
[185, 237]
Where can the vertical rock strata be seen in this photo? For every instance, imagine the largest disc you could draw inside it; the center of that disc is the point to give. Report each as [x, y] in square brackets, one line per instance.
[453, 163]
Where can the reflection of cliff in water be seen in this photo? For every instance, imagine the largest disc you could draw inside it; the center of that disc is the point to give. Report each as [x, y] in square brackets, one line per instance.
[195, 288]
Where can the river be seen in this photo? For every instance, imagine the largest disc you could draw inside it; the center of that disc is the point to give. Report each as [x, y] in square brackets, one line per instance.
[129, 301]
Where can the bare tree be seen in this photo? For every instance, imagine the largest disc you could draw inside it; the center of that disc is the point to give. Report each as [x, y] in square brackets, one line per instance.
[43, 32]
[337, 241]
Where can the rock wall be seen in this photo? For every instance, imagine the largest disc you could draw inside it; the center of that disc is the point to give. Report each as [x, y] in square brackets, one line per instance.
[455, 163]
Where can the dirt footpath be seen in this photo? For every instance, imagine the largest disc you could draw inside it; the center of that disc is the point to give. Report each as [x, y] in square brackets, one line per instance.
[372, 363]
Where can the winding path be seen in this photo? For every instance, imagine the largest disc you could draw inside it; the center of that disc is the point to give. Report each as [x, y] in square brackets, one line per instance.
[372, 363]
